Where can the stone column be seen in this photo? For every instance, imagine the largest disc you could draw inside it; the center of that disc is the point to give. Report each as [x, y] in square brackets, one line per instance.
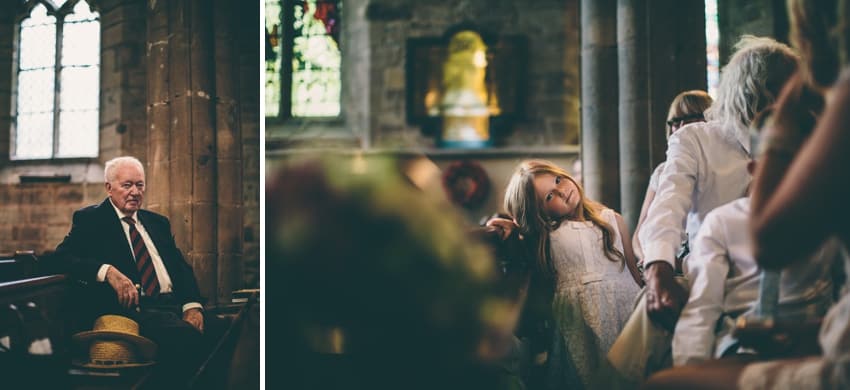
[677, 62]
[356, 70]
[7, 44]
[599, 145]
[123, 125]
[252, 158]
[229, 149]
[158, 150]
[182, 147]
[632, 51]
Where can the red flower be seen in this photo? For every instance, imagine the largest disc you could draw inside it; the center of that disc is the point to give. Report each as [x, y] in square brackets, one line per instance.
[466, 183]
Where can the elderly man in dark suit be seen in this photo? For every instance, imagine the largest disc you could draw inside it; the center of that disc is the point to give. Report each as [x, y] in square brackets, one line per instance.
[115, 246]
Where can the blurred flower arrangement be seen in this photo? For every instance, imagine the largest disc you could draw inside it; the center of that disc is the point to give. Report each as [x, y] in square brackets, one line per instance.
[356, 248]
[466, 183]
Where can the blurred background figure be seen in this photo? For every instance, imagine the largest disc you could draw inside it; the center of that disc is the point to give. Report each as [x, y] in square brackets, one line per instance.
[378, 285]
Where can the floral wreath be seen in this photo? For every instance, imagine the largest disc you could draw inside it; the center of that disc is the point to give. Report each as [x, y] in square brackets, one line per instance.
[466, 183]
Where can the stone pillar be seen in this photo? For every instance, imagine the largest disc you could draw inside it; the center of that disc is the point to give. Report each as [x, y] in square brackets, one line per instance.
[182, 147]
[599, 145]
[632, 51]
[229, 149]
[123, 126]
[355, 70]
[7, 44]
[158, 162]
[249, 119]
[677, 62]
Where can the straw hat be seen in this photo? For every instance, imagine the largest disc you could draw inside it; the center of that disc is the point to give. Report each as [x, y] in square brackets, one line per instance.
[114, 342]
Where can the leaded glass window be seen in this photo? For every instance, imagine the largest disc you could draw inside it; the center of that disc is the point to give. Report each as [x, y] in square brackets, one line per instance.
[57, 88]
[273, 58]
[303, 58]
[712, 44]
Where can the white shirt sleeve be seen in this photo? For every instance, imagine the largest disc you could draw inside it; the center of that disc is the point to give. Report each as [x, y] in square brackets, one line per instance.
[661, 235]
[653, 179]
[708, 268]
[101, 273]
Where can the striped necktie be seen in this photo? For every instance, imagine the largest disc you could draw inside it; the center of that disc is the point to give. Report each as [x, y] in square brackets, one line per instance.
[150, 283]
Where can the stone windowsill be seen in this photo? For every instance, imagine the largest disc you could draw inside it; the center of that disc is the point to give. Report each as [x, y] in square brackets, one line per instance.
[77, 170]
[312, 133]
[513, 151]
[296, 136]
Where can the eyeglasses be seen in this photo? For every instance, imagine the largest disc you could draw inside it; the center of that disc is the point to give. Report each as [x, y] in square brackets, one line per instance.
[685, 119]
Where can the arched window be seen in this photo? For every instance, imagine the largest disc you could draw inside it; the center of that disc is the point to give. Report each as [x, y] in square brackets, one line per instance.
[303, 58]
[56, 93]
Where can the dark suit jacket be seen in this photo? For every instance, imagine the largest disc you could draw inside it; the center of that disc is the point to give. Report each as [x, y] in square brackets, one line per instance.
[97, 238]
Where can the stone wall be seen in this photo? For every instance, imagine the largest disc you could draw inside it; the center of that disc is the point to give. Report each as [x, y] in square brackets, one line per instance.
[7, 31]
[123, 78]
[551, 104]
[665, 37]
[249, 119]
[37, 216]
[375, 34]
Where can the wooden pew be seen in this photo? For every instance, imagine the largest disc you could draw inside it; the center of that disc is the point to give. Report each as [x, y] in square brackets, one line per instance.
[39, 308]
[18, 265]
[33, 313]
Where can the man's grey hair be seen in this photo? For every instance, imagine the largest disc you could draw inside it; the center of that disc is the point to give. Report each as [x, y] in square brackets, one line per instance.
[111, 165]
[751, 81]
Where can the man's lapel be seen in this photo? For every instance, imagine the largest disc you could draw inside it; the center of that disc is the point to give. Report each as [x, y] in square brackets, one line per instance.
[113, 234]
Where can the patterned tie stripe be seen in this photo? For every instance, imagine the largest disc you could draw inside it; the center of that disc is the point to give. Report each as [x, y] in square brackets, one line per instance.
[150, 283]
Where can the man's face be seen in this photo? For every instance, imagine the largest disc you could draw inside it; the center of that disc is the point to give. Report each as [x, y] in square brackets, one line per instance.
[127, 189]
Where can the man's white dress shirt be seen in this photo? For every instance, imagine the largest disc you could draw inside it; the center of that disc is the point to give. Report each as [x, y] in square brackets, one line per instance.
[706, 167]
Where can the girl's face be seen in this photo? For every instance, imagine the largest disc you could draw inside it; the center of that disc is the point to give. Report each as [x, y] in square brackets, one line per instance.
[558, 195]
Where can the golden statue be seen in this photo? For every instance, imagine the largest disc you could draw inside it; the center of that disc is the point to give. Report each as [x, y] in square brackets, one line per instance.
[465, 98]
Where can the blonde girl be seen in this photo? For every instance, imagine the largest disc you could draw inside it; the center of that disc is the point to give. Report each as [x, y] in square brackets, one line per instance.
[584, 252]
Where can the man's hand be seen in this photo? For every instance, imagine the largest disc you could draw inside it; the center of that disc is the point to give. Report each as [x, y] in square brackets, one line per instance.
[664, 297]
[127, 294]
[195, 318]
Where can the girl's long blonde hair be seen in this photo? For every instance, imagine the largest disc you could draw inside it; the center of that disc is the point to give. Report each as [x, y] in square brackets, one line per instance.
[522, 203]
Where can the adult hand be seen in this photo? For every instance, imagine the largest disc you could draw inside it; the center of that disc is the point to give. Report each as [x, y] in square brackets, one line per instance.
[124, 288]
[664, 297]
[505, 226]
[195, 318]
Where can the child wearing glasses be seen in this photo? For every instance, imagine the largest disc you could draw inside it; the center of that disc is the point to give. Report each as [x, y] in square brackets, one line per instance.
[687, 107]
